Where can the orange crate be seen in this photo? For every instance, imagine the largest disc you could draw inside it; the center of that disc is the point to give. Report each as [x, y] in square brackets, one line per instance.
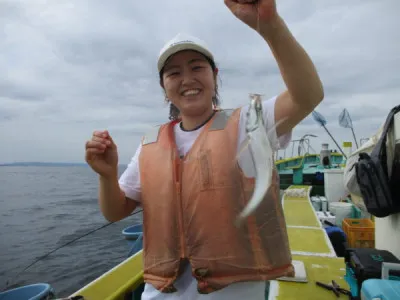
[360, 233]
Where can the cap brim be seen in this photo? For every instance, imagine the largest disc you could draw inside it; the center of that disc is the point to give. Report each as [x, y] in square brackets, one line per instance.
[181, 47]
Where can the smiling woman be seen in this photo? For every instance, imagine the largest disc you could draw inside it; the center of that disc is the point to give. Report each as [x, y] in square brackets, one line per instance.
[188, 75]
[186, 177]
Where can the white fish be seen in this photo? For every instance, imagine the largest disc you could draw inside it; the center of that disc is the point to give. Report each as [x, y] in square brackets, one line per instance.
[261, 152]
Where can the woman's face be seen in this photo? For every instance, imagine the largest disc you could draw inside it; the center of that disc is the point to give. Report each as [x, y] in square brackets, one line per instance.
[189, 82]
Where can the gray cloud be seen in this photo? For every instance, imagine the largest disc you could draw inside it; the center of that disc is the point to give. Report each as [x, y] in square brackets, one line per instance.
[71, 67]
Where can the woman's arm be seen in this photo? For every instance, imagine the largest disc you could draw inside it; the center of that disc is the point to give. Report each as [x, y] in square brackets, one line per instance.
[113, 203]
[304, 88]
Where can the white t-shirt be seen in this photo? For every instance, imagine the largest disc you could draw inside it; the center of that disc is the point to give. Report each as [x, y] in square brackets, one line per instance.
[186, 284]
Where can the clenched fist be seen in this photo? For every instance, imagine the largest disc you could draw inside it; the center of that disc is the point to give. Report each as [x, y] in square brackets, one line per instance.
[102, 155]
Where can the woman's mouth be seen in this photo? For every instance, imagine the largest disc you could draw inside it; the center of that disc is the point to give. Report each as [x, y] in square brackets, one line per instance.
[191, 92]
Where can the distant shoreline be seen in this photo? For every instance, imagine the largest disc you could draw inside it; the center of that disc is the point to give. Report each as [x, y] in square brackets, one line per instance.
[45, 164]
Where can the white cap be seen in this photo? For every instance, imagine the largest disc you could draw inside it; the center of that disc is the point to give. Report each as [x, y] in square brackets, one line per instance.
[182, 42]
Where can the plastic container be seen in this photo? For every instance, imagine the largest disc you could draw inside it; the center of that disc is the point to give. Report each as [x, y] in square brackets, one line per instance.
[135, 246]
[37, 291]
[366, 263]
[326, 215]
[341, 210]
[334, 185]
[316, 203]
[360, 232]
[134, 236]
[324, 204]
[382, 289]
[351, 281]
[133, 232]
[378, 289]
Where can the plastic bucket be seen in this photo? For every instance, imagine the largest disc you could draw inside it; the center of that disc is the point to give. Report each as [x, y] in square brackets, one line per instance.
[316, 203]
[341, 210]
[37, 291]
[324, 204]
[133, 232]
[135, 246]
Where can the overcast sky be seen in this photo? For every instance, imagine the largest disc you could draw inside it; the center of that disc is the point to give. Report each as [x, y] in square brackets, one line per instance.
[71, 67]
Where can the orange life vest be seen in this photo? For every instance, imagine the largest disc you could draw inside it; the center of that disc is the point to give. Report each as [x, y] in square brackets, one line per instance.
[190, 205]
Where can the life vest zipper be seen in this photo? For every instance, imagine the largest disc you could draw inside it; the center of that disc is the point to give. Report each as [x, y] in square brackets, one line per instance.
[178, 187]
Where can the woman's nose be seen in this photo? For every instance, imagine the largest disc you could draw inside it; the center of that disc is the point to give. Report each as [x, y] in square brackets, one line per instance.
[187, 77]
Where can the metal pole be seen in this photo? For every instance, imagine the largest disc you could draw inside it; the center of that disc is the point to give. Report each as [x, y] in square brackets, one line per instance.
[354, 136]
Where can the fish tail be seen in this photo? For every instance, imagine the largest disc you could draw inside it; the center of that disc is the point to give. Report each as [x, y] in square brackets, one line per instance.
[244, 214]
[239, 221]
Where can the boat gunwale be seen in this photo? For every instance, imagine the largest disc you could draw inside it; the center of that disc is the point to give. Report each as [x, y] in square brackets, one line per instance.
[129, 285]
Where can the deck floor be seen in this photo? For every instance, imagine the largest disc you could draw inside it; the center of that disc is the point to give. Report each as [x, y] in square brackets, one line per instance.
[310, 244]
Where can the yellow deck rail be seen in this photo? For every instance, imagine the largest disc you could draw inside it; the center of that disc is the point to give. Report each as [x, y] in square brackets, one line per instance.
[117, 282]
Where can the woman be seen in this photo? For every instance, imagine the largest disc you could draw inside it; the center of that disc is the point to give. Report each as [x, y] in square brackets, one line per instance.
[183, 174]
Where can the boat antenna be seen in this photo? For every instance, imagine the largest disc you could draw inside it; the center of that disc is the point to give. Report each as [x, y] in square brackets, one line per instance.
[62, 246]
[322, 121]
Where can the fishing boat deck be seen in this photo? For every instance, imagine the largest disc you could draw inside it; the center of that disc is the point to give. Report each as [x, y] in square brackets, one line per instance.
[310, 244]
[308, 241]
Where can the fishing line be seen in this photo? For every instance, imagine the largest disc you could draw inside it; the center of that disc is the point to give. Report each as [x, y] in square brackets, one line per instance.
[62, 246]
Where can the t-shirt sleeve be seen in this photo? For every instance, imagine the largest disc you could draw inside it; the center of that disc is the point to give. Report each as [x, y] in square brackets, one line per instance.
[269, 116]
[129, 181]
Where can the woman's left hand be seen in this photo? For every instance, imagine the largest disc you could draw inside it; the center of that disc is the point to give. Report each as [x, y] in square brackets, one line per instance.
[253, 12]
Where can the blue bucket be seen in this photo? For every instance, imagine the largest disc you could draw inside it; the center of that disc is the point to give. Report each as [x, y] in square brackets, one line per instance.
[37, 291]
[133, 232]
[135, 246]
